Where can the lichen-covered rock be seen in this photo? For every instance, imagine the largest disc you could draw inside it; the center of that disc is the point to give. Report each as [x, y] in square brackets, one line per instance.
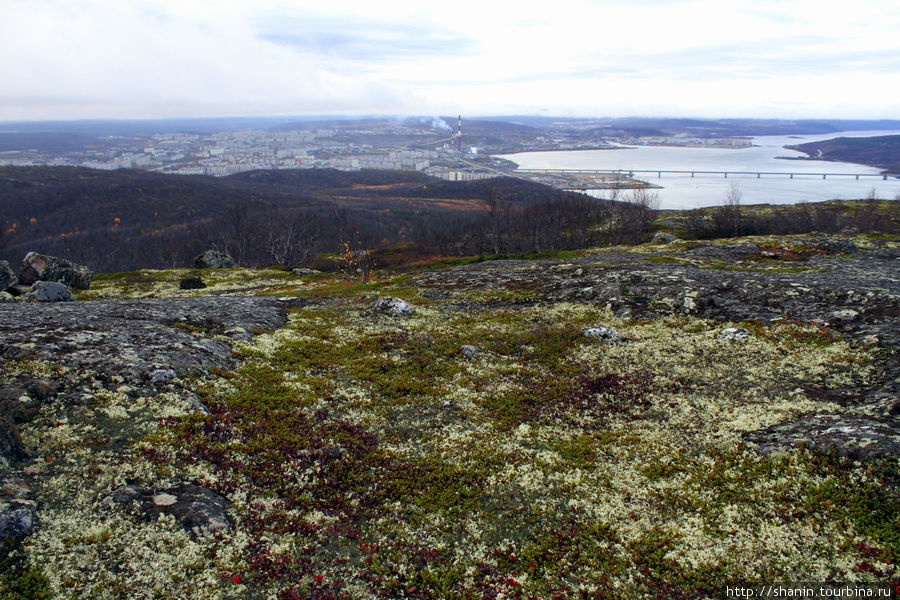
[162, 376]
[395, 307]
[661, 237]
[725, 252]
[16, 522]
[133, 338]
[11, 446]
[191, 283]
[852, 436]
[48, 291]
[602, 333]
[200, 511]
[40, 267]
[837, 245]
[846, 314]
[734, 333]
[300, 272]
[214, 259]
[7, 275]
[6, 297]
[470, 352]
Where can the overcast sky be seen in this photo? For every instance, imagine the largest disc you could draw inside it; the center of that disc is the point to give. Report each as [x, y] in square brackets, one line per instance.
[66, 59]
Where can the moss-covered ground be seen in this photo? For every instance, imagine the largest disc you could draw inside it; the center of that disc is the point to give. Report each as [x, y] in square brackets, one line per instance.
[366, 457]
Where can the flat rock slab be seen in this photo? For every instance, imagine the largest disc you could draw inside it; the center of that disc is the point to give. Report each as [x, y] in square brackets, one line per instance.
[852, 436]
[200, 511]
[134, 338]
[859, 295]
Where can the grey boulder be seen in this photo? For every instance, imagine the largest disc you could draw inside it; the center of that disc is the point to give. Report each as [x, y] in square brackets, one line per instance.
[7, 275]
[11, 446]
[40, 267]
[661, 237]
[734, 333]
[602, 333]
[394, 307]
[48, 291]
[214, 259]
[16, 522]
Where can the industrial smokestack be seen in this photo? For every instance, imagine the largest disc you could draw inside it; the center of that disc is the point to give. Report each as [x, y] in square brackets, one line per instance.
[459, 134]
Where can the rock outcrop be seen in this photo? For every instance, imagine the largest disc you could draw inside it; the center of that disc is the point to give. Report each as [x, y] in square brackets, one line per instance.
[661, 237]
[200, 511]
[7, 275]
[214, 259]
[602, 333]
[191, 283]
[852, 436]
[394, 307]
[135, 338]
[16, 522]
[11, 446]
[40, 267]
[48, 291]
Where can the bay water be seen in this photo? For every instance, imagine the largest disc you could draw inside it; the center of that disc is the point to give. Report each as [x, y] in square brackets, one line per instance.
[681, 191]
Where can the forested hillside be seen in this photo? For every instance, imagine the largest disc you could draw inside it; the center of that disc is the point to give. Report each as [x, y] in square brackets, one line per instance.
[127, 219]
[880, 151]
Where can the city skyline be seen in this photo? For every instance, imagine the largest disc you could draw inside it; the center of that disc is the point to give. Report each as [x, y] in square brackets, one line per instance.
[96, 59]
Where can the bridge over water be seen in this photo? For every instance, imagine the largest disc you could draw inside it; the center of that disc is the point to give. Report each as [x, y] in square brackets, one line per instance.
[632, 173]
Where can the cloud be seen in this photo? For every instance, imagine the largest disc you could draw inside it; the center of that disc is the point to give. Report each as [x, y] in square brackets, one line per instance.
[107, 58]
[358, 39]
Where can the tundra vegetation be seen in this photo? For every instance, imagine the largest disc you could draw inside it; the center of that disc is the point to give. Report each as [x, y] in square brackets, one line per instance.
[366, 456]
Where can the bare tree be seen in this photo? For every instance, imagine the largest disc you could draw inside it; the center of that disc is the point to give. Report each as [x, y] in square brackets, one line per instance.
[230, 232]
[497, 209]
[727, 219]
[4, 238]
[616, 188]
[634, 216]
[288, 240]
[868, 217]
[356, 259]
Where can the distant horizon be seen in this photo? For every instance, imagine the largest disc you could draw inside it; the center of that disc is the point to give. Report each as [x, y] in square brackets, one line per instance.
[445, 115]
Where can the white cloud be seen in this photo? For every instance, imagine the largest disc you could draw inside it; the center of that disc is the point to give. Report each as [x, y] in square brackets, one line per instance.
[104, 58]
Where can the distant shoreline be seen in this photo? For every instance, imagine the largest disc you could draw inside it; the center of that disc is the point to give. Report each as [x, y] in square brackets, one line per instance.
[880, 152]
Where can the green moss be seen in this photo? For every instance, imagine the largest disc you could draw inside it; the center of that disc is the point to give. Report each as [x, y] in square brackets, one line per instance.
[585, 450]
[862, 496]
[20, 580]
[569, 554]
[667, 259]
[436, 485]
[189, 328]
[468, 260]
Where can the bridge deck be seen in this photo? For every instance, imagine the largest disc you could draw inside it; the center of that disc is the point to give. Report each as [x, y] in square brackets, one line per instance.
[660, 172]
